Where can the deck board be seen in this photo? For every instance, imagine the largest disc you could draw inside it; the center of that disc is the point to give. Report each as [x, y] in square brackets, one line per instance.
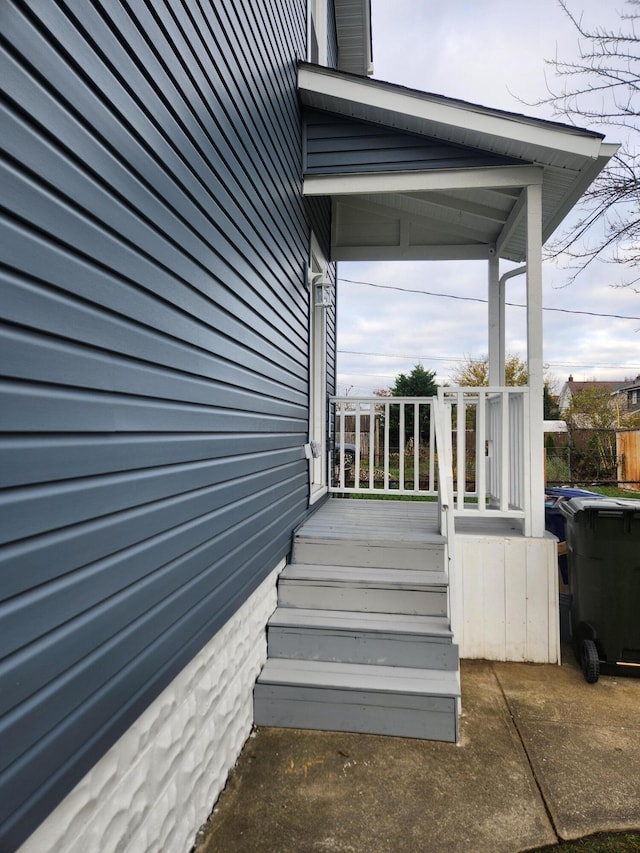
[352, 676]
[388, 521]
[369, 576]
[350, 620]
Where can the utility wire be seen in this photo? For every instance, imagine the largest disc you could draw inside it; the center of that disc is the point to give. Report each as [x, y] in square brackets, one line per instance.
[453, 358]
[485, 301]
[480, 358]
[401, 355]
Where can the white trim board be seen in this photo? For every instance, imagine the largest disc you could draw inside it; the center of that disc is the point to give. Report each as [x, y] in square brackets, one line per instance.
[485, 177]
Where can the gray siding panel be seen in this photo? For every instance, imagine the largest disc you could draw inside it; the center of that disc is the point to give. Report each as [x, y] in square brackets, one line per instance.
[335, 145]
[332, 35]
[153, 356]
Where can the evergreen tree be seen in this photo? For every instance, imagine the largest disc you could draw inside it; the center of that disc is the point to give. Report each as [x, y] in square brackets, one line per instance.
[418, 383]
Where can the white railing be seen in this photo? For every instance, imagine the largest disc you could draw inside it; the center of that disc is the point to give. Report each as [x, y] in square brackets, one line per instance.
[492, 473]
[387, 446]
[382, 445]
[441, 419]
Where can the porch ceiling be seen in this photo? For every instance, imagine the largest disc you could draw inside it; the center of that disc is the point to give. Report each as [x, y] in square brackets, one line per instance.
[440, 212]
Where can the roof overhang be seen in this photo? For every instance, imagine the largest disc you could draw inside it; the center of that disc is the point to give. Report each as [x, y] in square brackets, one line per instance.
[465, 212]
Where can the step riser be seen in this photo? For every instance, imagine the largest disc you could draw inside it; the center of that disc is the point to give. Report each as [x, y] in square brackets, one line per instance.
[366, 600]
[340, 553]
[366, 648]
[424, 717]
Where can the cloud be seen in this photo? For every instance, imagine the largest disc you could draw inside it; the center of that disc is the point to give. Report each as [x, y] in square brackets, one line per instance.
[487, 53]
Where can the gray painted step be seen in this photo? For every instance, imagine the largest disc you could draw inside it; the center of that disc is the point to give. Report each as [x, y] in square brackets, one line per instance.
[427, 555]
[355, 637]
[366, 589]
[382, 700]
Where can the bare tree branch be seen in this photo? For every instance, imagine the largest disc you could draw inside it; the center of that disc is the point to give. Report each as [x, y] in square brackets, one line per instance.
[601, 88]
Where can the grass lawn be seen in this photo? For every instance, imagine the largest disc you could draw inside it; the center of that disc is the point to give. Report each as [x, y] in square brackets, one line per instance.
[375, 496]
[626, 842]
[613, 492]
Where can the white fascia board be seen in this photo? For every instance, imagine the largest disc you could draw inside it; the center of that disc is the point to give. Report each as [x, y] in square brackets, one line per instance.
[418, 105]
[487, 177]
[608, 149]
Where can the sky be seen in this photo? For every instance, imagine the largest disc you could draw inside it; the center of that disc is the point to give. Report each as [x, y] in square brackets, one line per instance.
[490, 52]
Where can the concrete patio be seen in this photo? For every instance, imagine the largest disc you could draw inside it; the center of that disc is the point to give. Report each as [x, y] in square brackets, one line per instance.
[543, 756]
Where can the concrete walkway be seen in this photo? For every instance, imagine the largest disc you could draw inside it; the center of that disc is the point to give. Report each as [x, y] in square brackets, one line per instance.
[543, 755]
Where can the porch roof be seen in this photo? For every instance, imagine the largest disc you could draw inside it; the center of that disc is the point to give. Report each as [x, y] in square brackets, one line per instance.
[444, 209]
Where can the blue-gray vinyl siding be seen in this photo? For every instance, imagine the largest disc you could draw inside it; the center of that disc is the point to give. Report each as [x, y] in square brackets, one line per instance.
[153, 357]
[337, 145]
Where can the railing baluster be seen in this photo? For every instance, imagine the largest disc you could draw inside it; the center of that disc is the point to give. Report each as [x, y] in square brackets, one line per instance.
[432, 447]
[504, 452]
[372, 421]
[401, 450]
[526, 465]
[481, 443]
[416, 445]
[342, 415]
[356, 461]
[387, 416]
[461, 449]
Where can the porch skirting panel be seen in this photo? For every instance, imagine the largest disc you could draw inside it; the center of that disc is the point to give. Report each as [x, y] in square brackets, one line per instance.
[507, 590]
[157, 785]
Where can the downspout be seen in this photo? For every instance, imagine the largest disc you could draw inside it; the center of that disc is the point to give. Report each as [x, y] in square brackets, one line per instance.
[501, 307]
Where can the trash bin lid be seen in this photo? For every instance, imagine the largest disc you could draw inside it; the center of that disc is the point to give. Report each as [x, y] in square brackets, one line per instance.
[556, 495]
[601, 506]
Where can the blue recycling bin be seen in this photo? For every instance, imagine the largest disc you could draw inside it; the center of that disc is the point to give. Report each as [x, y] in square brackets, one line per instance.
[554, 520]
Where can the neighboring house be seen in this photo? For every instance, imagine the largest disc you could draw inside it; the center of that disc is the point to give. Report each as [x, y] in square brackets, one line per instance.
[177, 183]
[628, 397]
[623, 398]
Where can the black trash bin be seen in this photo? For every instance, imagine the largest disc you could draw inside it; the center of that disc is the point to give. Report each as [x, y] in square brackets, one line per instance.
[603, 542]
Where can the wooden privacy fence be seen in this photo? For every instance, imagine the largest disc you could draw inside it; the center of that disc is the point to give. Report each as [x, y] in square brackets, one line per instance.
[628, 454]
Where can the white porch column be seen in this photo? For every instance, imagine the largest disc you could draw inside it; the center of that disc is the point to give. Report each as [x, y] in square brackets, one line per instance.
[496, 324]
[534, 360]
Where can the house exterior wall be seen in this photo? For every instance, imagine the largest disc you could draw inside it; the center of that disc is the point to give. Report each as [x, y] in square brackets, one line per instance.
[614, 391]
[154, 357]
[336, 145]
[155, 787]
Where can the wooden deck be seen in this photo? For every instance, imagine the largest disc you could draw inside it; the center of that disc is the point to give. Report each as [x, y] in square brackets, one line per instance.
[374, 520]
[397, 521]
[502, 584]
[361, 640]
